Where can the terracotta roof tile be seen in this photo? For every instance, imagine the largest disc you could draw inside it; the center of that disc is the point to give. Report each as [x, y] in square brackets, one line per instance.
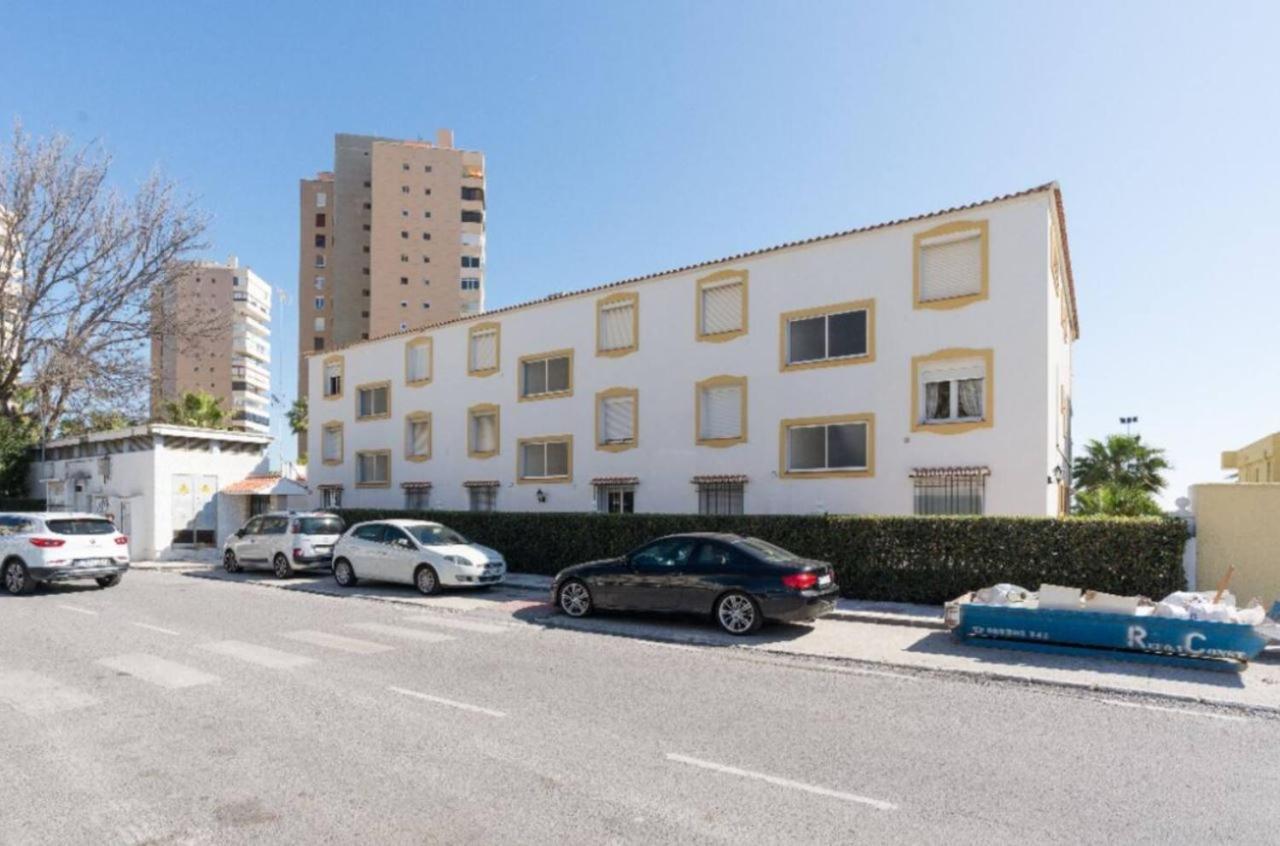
[483, 483]
[933, 472]
[721, 479]
[615, 480]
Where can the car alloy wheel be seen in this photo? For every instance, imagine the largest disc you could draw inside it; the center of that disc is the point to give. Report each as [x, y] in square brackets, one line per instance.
[16, 580]
[229, 562]
[343, 573]
[575, 599]
[737, 614]
[108, 581]
[426, 581]
[281, 566]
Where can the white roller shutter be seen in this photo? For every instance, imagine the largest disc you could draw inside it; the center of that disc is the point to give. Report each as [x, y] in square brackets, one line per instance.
[420, 437]
[419, 362]
[484, 350]
[486, 435]
[951, 267]
[617, 327]
[331, 450]
[721, 413]
[618, 415]
[722, 308]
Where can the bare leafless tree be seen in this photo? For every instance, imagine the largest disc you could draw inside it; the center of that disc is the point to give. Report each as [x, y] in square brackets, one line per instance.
[80, 266]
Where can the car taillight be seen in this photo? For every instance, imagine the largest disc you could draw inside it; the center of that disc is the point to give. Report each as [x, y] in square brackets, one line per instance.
[121, 540]
[47, 542]
[800, 581]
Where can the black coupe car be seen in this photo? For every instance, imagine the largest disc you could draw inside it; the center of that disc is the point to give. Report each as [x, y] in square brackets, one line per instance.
[740, 582]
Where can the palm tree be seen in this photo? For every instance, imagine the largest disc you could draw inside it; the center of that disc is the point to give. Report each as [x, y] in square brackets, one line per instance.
[195, 408]
[1122, 460]
[1117, 501]
[297, 416]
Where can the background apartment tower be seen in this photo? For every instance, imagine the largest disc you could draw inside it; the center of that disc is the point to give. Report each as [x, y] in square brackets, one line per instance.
[226, 309]
[391, 239]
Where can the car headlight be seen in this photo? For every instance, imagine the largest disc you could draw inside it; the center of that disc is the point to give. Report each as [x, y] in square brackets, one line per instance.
[458, 561]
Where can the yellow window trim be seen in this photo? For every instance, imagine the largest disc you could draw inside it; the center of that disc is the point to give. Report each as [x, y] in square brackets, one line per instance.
[479, 328]
[484, 408]
[784, 320]
[429, 343]
[386, 383]
[953, 228]
[363, 452]
[409, 420]
[521, 443]
[611, 393]
[342, 376]
[718, 382]
[710, 281]
[525, 359]
[919, 362]
[794, 422]
[603, 303]
[333, 424]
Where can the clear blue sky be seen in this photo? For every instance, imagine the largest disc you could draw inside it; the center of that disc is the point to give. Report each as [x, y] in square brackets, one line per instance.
[623, 139]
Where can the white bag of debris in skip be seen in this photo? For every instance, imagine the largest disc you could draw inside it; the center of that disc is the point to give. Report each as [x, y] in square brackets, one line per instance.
[1001, 594]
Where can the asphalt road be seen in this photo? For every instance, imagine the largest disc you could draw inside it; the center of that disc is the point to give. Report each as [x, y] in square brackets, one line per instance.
[175, 709]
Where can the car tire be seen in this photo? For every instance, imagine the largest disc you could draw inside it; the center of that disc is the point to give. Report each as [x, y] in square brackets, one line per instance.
[426, 580]
[230, 563]
[15, 579]
[344, 574]
[574, 598]
[108, 581]
[280, 566]
[738, 614]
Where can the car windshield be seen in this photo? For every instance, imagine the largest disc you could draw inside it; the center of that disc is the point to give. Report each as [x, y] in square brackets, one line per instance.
[766, 550]
[434, 535]
[85, 526]
[320, 526]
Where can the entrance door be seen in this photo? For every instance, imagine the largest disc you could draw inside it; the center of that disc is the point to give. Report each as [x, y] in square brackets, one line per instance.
[195, 518]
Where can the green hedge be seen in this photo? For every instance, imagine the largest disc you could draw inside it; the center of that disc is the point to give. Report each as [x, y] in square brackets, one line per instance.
[900, 559]
[21, 505]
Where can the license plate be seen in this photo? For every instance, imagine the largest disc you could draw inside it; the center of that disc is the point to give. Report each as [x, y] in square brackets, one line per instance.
[92, 562]
[323, 549]
[823, 581]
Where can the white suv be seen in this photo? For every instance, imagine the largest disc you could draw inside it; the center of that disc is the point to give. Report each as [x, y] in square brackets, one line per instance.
[284, 542]
[58, 547]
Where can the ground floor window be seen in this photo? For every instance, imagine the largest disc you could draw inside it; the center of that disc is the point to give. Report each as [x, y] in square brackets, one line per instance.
[331, 497]
[417, 498]
[954, 491]
[259, 504]
[720, 496]
[483, 497]
[616, 499]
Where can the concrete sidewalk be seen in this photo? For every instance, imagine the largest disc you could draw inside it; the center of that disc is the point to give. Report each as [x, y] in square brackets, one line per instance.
[895, 636]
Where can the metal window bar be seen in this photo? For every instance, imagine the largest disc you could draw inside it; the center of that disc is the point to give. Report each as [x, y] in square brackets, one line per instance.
[954, 495]
[720, 498]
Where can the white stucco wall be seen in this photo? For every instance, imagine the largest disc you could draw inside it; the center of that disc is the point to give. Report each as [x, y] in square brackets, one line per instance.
[1014, 321]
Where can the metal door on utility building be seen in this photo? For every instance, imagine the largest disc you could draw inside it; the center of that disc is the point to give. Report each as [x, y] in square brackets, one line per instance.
[195, 513]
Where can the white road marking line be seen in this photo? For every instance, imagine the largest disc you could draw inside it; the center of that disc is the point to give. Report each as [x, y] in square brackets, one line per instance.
[158, 671]
[78, 610]
[36, 695]
[783, 782]
[338, 642]
[152, 628]
[401, 631]
[1186, 712]
[439, 700]
[263, 656]
[453, 623]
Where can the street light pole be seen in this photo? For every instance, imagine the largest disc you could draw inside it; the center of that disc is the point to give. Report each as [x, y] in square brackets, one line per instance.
[1128, 422]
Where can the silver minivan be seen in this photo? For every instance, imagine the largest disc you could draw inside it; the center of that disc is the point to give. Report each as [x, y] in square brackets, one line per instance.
[283, 542]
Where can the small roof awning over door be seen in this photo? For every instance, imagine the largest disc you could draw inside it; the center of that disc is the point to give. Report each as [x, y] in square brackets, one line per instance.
[265, 485]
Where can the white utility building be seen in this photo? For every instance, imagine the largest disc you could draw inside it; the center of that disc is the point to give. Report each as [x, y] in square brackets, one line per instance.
[919, 366]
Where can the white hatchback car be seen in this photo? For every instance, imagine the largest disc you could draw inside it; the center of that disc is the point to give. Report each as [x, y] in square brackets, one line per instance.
[59, 547]
[284, 542]
[414, 552]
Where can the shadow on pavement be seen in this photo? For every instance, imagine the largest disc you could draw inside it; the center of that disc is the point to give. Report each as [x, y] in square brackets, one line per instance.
[665, 628]
[943, 643]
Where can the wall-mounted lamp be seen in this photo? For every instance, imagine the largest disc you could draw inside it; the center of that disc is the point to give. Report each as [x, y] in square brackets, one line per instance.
[1056, 478]
[541, 495]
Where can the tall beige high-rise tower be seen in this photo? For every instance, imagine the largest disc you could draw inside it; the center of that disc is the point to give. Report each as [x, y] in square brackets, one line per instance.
[391, 239]
[225, 310]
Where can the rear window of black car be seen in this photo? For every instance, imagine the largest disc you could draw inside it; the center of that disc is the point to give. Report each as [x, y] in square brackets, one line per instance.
[80, 527]
[321, 526]
[766, 550]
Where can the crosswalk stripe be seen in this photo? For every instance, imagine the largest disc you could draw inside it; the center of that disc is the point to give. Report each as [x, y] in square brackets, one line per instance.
[455, 623]
[401, 631]
[158, 671]
[263, 656]
[36, 695]
[338, 642]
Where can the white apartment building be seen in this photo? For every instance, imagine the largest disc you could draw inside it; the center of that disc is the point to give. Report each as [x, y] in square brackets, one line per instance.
[919, 366]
